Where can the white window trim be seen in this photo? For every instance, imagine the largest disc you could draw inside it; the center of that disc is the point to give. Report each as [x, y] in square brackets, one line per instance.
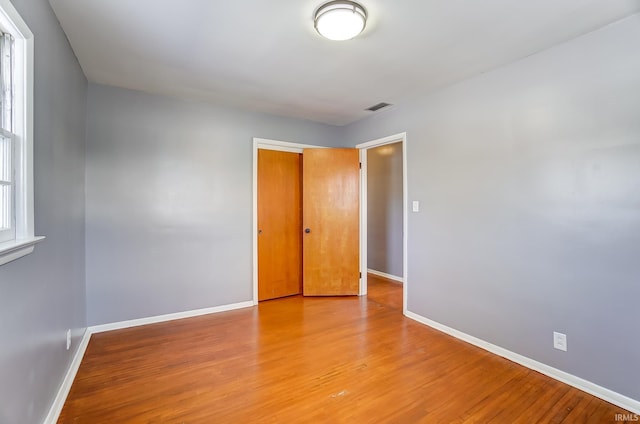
[25, 240]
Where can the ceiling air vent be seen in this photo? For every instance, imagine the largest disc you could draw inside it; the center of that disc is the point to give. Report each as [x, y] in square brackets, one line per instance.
[378, 106]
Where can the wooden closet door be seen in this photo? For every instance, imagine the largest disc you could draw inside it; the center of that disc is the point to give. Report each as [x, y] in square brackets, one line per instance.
[279, 224]
[331, 210]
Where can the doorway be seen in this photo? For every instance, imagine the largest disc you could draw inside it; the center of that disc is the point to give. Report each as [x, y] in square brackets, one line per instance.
[331, 213]
[384, 213]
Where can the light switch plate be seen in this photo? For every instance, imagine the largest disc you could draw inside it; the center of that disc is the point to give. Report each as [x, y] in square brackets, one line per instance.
[416, 206]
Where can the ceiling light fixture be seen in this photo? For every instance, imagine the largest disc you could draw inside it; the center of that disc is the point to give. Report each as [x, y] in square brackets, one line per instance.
[340, 20]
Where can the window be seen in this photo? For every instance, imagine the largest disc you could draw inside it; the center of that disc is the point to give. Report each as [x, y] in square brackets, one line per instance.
[7, 187]
[16, 144]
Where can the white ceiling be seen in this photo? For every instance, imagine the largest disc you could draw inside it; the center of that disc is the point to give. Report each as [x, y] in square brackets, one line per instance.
[266, 56]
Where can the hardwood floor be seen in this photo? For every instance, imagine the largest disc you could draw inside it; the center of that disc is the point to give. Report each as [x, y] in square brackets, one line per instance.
[312, 360]
[384, 291]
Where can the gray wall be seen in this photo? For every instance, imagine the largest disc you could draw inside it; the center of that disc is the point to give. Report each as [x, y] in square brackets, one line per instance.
[169, 201]
[384, 209]
[43, 294]
[529, 182]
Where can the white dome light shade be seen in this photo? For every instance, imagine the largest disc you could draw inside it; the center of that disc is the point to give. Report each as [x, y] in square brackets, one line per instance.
[340, 20]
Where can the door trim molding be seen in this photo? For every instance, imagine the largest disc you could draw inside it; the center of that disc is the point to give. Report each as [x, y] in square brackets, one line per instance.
[395, 138]
[267, 144]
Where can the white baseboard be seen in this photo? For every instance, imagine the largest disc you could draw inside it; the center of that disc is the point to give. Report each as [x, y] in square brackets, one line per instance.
[615, 398]
[168, 317]
[385, 275]
[63, 391]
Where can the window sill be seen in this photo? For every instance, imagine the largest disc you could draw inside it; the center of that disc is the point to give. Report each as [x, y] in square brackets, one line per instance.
[12, 250]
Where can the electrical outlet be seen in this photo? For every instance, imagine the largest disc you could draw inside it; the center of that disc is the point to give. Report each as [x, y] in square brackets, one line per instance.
[560, 341]
[68, 339]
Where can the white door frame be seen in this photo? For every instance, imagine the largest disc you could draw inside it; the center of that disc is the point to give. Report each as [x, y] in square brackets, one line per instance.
[283, 146]
[396, 138]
